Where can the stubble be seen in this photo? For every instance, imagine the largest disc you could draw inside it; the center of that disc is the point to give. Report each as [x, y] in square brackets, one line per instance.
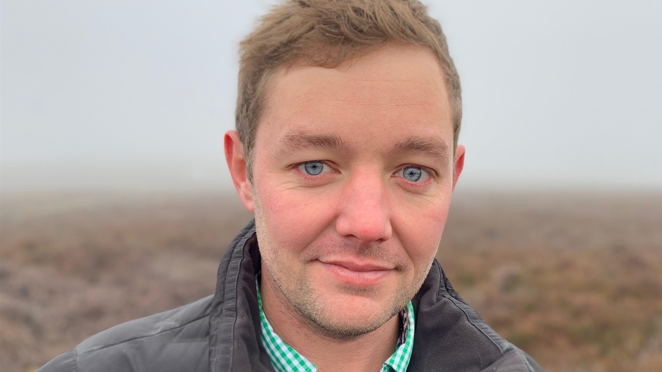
[295, 293]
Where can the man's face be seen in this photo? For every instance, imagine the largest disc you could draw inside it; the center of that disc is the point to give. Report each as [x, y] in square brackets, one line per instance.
[352, 179]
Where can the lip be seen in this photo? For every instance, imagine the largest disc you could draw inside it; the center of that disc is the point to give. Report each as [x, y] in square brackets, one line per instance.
[357, 273]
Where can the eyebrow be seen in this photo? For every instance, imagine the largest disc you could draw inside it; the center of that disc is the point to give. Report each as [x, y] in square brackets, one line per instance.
[434, 147]
[297, 141]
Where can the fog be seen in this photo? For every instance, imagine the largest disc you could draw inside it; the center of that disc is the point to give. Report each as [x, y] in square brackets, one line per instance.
[138, 94]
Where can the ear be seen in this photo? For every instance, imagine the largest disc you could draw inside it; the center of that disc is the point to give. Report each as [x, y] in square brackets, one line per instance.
[459, 163]
[234, 155]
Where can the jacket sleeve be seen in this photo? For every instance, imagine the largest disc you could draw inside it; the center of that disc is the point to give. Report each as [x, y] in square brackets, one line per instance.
[63, 363]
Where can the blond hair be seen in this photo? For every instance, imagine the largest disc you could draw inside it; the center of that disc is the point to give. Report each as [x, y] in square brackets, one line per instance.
[326, 33]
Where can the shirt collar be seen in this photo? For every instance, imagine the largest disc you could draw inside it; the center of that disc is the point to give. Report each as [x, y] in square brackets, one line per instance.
[285, 359]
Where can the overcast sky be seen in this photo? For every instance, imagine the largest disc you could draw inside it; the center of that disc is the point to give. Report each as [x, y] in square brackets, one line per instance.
[138, 94]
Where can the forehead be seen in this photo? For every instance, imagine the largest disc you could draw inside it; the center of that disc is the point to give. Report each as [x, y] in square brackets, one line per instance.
[395, 89]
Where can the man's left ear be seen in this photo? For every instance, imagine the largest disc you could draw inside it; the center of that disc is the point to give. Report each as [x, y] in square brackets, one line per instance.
[459, 163]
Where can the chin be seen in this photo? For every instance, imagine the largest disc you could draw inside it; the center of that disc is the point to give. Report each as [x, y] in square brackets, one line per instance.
[350, 325]
[348, 316]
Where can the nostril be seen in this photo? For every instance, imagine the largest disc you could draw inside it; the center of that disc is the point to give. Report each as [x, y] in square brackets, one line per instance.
[364, 229]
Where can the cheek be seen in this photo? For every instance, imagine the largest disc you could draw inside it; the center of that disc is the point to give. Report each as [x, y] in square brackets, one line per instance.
[294, 217]
[420, 228]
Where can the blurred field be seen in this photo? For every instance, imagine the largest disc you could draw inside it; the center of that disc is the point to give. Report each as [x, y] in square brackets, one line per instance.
[575, 280]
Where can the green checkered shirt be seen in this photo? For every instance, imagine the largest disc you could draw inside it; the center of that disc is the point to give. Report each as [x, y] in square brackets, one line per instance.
[285, 359]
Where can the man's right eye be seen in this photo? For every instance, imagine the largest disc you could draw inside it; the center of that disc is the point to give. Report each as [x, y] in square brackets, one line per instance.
[313, 168]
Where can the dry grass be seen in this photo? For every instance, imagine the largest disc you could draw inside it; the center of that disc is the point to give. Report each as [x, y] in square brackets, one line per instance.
[573, 279]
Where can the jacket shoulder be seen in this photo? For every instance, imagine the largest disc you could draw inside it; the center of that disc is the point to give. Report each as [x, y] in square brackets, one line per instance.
[174, 340]
[61, 363]
[450, 335]
[514, 360]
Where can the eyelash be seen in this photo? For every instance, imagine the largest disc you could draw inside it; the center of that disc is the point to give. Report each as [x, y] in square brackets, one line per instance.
[299, 165]
[431, 172]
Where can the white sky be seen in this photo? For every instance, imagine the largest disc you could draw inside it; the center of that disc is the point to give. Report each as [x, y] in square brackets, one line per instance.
[139, 93]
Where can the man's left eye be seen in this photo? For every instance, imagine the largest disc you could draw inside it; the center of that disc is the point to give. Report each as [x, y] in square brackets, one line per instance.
[414, 174]
[313, 168]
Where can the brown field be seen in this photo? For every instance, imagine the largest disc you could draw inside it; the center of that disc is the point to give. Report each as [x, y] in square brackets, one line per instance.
[574, 279]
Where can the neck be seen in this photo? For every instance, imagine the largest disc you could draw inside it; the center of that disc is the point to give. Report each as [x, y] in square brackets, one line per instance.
[367, 352]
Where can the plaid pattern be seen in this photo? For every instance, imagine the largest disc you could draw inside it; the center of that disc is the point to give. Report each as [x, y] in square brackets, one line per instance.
[399, 361]
[285, 359]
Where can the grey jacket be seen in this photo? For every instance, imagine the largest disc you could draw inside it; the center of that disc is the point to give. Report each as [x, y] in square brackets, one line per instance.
[222, 332]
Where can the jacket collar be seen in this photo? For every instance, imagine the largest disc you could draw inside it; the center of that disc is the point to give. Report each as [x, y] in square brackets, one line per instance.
[234, 320]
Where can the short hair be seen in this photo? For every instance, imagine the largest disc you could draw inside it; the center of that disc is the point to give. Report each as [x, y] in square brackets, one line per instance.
[326, 33]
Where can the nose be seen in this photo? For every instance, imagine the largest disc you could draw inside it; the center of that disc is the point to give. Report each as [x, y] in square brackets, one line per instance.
[364, 210]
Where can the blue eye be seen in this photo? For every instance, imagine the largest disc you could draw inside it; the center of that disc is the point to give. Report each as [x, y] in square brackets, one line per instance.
[312, 168]
[414, 174]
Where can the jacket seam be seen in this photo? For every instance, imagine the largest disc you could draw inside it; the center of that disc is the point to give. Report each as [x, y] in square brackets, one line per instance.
[502, 349]
[75, 360]
[137, 338]
[526, 361]
[241, 247]
[461, 306]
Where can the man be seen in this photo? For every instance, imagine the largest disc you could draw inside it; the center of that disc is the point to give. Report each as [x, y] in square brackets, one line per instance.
[346, 150]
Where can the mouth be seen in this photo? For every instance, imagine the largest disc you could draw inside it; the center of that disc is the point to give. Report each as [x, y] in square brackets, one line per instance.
[355, 273]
